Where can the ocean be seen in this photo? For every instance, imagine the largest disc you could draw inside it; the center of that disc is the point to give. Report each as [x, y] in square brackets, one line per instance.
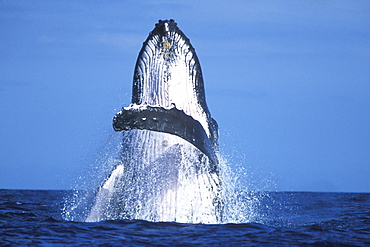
[35, 218]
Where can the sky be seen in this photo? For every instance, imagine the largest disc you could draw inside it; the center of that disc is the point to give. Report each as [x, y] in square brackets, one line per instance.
[287, 81]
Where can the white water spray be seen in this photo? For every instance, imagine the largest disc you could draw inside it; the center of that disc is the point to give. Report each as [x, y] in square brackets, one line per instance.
[161, 177]
[156, 177]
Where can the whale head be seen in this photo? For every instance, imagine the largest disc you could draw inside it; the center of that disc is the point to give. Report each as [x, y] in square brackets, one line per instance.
[168, 91]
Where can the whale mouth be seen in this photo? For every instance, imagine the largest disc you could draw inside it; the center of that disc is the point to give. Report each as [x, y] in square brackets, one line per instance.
[168, 91]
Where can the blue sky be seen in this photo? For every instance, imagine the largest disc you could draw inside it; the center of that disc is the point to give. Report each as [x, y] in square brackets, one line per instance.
[287, 81]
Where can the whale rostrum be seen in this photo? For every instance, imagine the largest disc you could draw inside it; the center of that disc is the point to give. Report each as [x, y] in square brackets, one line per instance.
[168, 92]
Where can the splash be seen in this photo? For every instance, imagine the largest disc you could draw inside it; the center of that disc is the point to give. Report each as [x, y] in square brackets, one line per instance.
[156, 177]
[160, 177]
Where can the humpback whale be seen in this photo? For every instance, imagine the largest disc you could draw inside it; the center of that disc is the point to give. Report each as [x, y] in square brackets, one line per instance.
[168, 168]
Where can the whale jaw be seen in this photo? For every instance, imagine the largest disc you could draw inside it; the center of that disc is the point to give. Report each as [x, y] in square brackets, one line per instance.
[168, 86]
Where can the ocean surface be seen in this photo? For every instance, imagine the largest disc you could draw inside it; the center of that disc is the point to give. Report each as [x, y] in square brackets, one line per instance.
[34, 218]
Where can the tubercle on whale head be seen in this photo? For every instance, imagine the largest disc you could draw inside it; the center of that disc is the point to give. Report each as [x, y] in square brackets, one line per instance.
[164, 27]
[167, 25]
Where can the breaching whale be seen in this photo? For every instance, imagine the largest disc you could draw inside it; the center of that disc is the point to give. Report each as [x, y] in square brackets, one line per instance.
[168, 167]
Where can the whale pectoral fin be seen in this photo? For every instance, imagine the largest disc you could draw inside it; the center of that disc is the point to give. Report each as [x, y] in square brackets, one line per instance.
[105, 194]
[171, 121]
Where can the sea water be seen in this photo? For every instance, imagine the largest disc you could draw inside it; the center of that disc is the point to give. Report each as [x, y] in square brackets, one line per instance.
[34, 218]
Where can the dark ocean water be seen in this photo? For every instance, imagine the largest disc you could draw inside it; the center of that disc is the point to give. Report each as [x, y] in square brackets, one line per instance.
[34, 218]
